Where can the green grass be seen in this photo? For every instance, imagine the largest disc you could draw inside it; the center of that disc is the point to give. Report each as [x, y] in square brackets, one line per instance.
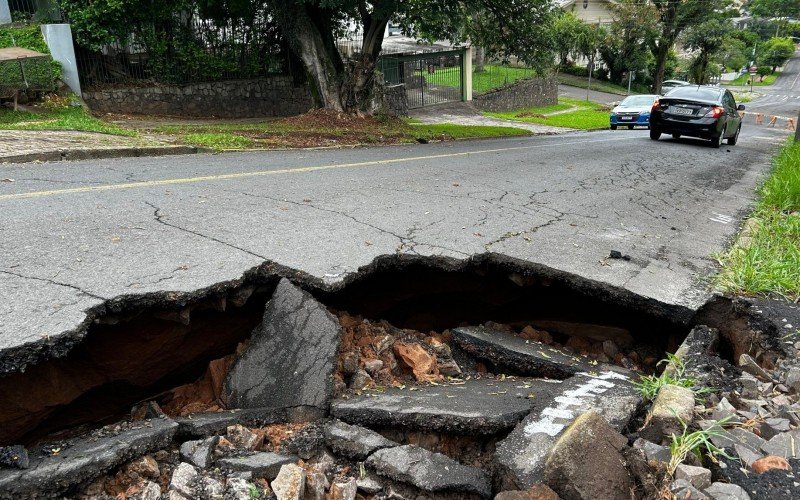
[697, 443]
[742, 80]
[766, 260]
[452, 131]
[59, 118]
[219, 141]
[588, 115]
[651, 384]
[599, 86]
[493, 76]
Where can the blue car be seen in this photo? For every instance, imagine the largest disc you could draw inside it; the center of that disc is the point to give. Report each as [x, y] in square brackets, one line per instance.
[633, 111]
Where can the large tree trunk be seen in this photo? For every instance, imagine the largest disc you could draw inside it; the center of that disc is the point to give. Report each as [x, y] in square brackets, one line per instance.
[661, 53]
[335, 84]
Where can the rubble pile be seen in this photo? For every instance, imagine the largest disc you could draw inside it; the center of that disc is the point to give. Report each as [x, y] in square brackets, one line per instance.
[320, 405]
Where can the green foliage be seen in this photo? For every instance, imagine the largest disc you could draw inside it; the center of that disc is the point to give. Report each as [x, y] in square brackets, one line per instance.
[58, 115]
[776, 51]
[697, 443]
[673, 374]
[766, 261]
[585, 115]
[624, 47]
[41, 74]
[706, 39]
[733, 53]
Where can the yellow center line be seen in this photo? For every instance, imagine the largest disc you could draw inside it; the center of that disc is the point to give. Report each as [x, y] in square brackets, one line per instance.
[293, 170]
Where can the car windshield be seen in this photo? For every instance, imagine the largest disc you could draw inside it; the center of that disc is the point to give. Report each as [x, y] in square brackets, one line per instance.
[692, 92]
[638, 100]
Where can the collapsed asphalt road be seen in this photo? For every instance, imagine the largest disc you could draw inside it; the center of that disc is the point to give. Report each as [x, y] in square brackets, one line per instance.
[74, 235]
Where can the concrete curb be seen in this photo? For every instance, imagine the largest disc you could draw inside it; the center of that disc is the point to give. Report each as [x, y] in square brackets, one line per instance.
[96, 154]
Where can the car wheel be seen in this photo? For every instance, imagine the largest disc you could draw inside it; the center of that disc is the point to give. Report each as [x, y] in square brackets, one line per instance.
[717, 141]
[676, 136]
[655, 134]
[733, 140]
[630, 127]
[613, 127]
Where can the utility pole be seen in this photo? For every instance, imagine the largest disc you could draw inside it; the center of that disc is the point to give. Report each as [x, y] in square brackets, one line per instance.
[630, 77]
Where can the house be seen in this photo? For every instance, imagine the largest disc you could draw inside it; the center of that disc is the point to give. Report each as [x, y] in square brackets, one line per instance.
[589, 11]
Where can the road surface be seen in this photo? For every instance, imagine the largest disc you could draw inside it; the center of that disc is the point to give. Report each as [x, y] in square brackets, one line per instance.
[782, 98]
[75, 234]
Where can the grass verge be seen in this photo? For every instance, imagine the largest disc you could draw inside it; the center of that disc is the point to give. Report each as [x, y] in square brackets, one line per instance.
[766, 259]
[57, 114]
[586, 115]
[741, 80]
[322, 128]
[493, 76]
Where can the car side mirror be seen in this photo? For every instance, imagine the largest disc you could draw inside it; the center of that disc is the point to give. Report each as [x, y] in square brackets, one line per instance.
[740, 107]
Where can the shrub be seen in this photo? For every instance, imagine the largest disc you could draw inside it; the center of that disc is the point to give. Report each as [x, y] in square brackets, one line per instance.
[41, 74]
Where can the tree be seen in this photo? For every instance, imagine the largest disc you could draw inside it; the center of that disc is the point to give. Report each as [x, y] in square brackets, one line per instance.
[625, 45]
[705, 39]
[780, 10]
[520, 28]
[566, 29]
[733, 54]
[776, 51]
[673, 17]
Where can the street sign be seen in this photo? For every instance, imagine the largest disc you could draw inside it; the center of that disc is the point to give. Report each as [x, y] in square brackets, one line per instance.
[753, 70]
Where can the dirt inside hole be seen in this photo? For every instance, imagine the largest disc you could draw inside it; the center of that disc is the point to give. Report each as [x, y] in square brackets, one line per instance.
[145, 354]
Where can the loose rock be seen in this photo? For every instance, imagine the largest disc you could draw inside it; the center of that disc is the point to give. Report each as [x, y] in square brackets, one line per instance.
[537, 492]
[240, 489]
[316, 484]
[199, 453]
[150, 491]
[699, 477]
[344, 490]
[264, 464]
[242, 437]
[587, 462]
[672, 408]
[360, 381]
[429, 471]
[749, 365]
[683, 490]
[184, 480]
[14, 456]
[291, 357]
[769, 463]
[354, 442]
[727, 491]
[369, 484]
[290, 484]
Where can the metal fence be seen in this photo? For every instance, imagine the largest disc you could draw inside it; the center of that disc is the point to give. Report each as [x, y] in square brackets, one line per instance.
[491, 75]
[187, 48]
[36, 11]
[428, 78]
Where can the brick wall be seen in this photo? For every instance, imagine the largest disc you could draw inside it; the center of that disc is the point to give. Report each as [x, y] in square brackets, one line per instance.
[524, 93]
[273, 96]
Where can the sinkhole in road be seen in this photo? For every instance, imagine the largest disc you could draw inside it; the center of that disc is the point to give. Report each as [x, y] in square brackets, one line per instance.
[145, 349]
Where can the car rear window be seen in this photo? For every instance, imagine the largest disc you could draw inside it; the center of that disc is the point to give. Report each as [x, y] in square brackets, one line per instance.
[702, 93]
[638, 100]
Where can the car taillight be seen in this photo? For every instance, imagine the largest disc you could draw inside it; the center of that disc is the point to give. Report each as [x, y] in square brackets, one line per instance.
[715, 112]
[656, 106]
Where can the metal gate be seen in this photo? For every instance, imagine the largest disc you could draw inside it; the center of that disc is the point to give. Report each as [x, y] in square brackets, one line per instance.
[429, 78]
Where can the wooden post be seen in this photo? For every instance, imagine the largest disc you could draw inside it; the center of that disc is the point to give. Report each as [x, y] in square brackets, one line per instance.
[797, 130]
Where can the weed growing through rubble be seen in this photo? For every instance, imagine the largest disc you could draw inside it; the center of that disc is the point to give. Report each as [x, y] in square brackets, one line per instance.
[696, 443]
[673, 374]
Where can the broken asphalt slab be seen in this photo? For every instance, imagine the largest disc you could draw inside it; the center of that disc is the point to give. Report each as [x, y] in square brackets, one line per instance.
[479, 406]
[519, 356]
[429, 471]
[84, 459]
[291, 356]
[523, 453]
[353, 441]
[263, 464]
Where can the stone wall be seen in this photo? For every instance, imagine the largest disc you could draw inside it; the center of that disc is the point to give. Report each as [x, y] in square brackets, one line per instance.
[524, 93]
[272, 96]
[395, 100]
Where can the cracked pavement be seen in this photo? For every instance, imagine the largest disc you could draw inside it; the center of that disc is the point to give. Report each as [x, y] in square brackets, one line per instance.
[75, 234]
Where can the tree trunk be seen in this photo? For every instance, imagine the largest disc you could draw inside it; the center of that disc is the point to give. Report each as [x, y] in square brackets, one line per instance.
[480, 59]
[661, 53]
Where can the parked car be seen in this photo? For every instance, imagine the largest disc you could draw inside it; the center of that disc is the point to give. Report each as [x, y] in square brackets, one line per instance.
[633, 111]
[668, 85]
[697, 111]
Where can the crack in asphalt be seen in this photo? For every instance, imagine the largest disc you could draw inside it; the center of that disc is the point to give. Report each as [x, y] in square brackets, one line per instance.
[160, 219]
[53, 282]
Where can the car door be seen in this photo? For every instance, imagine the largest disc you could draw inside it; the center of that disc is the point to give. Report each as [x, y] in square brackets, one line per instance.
[733, 114]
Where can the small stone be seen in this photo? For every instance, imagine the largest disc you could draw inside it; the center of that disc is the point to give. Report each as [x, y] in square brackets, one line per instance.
[749, 365]
[749, 385]
[793, 380]
[316, 484]
[610, 348]
[699, 477]
[306, 443]
[241, 489]
[146, 468]
[672, 409]
[14, 456]
[264, 464]
[344, 490]
[290, 483]
[369, 484]
[373, 366]
[726, 491]
[747, 438]
[746, 455]
[242, 437]
[449, 368]
[536, 492]
[770, 462]
[212, 489]
[361, 380]
[349, 363]
[183, 480]
[785, 444]
[653, 451]
[723, 410]
[683, 490]
[200, 452]
[383, 343]
[150, 491]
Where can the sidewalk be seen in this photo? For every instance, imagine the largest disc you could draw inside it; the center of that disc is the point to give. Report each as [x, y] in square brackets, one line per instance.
[18, 146]
[462, 113]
